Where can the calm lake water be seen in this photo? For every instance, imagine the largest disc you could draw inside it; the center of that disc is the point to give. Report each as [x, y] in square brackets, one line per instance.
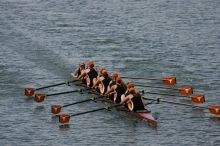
[42, 41]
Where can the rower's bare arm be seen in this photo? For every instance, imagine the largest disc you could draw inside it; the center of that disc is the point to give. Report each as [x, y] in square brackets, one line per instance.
[96, 83]
[125, 99]
[82, 75]
[74, 73]
[110, 90]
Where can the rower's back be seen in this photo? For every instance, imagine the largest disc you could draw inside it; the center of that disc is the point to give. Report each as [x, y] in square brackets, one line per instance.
[119, 90]
[91, 74]
[106, 80]
[136, 100]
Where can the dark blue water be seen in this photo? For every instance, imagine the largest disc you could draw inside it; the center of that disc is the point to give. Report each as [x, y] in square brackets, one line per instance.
[41, 42]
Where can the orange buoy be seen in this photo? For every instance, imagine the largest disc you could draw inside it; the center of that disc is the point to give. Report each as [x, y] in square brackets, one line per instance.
[55, 109]
[169, 80]
[214, 109]
[186, 90]
[29, 91]
[198, 98]
[64, 118]
[39, 97]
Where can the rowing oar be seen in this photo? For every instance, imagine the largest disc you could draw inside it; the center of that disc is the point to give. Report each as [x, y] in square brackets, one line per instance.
[30, 91]
[197, 98]
[214, 109]
[56, 108]
[64, 118]
[159, 87]
[39, 97]
[166, 80]
[184, 90]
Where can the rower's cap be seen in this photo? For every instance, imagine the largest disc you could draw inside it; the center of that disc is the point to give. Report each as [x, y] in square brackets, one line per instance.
[104, 72]
[90, 63]
[130, 85]
[115, 74]
[119, 80]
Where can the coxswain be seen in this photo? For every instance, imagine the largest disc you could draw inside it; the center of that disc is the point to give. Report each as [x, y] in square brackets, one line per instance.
[133, 100]
[102, 82]
[77, 72]
[117, 90]
[90, 73]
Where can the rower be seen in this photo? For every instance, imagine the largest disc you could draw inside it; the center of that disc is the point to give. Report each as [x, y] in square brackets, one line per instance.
[114, 76]
[133, 100]
[96, 80]
[129, 86]
[102, 82]
[90, 73]
[77, 72]
[117, 90]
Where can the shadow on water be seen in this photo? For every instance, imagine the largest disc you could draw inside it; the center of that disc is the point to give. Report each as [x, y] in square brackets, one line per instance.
[29, 99]
[215, 119]
[55, 118]
[64, 126]
[198, 111]
[156, 115]
[40, 108]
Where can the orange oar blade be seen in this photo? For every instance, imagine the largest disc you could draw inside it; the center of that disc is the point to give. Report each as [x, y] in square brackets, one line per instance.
[214, 109]
[29, 91]
[39, 97]
[186, 90]
[64, 118]
[198, 98]
[55, 109]
[169, 80]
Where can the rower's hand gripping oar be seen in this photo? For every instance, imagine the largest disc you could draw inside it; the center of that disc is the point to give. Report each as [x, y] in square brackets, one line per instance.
[56, 108]
[30, 91]
[214, 109]
[39, 97]
[64, 118]
[166, 80]
[197, 98]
